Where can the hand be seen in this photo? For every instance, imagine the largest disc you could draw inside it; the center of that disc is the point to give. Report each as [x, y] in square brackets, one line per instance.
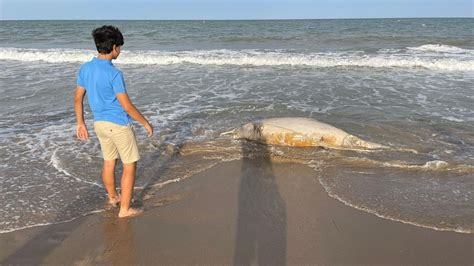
[149, 129]
[81, 132]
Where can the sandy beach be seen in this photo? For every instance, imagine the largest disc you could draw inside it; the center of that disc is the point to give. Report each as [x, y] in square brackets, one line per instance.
[249, 211]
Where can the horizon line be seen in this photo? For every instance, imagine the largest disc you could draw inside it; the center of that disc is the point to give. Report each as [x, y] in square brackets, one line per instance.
[231, 19]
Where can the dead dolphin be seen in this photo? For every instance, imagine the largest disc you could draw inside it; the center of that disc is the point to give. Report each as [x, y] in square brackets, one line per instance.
[300, 132]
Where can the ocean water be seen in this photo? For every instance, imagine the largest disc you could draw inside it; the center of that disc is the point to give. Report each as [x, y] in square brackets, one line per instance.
[406, 83]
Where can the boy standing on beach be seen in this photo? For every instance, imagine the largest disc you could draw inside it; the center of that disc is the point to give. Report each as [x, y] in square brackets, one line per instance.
[112, 110]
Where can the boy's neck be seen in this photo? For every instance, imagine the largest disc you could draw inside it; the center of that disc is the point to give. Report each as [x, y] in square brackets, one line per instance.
[105, 56]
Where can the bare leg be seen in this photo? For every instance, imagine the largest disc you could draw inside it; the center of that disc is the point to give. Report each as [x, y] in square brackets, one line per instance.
[108, 177]
[127, 183]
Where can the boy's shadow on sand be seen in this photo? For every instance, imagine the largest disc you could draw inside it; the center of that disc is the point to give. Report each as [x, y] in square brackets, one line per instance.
[261, 222]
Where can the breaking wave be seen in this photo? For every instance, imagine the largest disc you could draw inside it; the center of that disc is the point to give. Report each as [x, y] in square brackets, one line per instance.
[440, 48]
[257, 58]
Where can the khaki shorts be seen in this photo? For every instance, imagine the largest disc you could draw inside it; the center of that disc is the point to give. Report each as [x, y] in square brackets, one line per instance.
[116, 140]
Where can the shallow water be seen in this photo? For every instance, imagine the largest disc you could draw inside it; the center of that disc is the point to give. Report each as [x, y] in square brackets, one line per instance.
[394, 82]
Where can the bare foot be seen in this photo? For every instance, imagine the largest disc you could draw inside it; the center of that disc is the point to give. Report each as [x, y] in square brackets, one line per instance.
[130, 212]
[115, 201]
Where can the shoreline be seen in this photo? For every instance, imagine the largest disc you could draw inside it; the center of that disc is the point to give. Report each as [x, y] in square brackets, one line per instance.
[277, 209]
[381, 216]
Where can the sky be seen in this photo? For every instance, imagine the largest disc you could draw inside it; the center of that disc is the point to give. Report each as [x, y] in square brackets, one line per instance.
[231, 9]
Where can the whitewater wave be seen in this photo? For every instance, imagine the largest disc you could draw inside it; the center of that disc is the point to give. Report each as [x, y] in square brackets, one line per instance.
[441, 48]
[248, 58]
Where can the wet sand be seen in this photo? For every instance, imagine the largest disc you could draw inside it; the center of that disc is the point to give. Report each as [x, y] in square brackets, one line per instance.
[249, 211]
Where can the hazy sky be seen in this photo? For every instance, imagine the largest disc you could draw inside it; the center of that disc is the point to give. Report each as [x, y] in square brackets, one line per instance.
[231, 9]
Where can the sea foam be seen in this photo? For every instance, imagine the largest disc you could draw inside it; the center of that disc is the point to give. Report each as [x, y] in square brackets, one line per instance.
[250, 58]
[440, 48]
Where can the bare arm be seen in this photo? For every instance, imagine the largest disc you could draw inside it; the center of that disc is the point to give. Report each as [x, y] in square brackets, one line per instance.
[128, 106]
[81, 129]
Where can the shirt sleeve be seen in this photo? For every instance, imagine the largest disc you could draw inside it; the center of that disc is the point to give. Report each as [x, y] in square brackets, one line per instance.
[118, 83]
[80, 78]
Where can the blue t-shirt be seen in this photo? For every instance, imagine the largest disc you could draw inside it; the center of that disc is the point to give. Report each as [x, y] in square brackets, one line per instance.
[102, 82]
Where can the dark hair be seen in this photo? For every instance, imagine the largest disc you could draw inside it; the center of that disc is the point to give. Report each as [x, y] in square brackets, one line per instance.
[105, 37]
